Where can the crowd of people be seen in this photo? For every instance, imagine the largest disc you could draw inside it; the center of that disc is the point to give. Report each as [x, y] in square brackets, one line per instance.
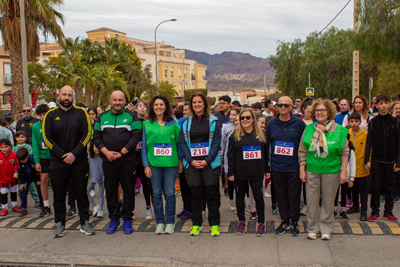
[309, 151]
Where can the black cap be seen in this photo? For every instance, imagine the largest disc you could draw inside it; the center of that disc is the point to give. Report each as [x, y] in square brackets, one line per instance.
[5, 141]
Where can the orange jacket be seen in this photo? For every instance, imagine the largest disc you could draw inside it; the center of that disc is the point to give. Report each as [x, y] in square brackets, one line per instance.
[359, 144]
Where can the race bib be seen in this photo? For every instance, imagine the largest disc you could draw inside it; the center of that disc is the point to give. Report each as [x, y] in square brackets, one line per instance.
[251, 152]
[199, 149]
[162, 149]
[284, 148]
[44, 145]
[139, 145]
[226, 122]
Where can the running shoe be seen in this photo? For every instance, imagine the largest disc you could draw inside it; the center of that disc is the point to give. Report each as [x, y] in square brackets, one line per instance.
[4, 212]
[22, 212]
[295, 229]
[353, 210]
[312, 236]
[180, 214]
[396, 199]
[186, 216]
[100, 214]
[87, 228]
[344, 216]
[195, 230]
[240, 228]
[260, 229]
[275, 210]
[112, 228]
[92, 193]
[349, 203]
[214, 230]
[363, 216]
[303, 211]
[59, 230]
[149, 214]
[334, 213]
[325, 237]
[134, 215]
[37, 203]
[383, 199]
[267, 195]
[169, 229]
[282, 228]
[46, 211]
[71, 212]
[390, 217]
[373, 217]
[137, 191]
[95, 210]
[159, 229]
[128, 227]
[16, 209]
[232, 205]
[226, 192]
[253, 215]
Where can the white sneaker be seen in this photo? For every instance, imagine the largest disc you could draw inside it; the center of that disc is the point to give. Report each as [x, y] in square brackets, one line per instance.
[232, 206]
[169, 229]
[267, 195]
[100, 214]
[312, 236]
[149, 215]
[325, 237]
[92, 193]
[95, 210]
[134, 215]
[304, 210]
[159, 229]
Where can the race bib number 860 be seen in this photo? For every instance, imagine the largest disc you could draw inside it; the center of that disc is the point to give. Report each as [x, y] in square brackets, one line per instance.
[162, 149]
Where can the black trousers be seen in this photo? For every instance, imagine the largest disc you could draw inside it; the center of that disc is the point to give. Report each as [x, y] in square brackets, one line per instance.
[71, 196]
[360, 191]
[382, 173]
[61, 174]
[185, 192]
[343, 195]
[124, 174]
[273, 193]
[304, 193]
[287, 187]
[147, 191]
[204, 181]
[242, 186]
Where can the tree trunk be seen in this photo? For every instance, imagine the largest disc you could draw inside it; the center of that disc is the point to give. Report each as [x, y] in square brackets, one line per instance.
[78, 93]
[87, 95]
[17, 86]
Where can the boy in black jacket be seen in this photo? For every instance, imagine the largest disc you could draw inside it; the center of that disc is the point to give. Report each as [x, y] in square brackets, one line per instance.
[27, 175]
[384, 140]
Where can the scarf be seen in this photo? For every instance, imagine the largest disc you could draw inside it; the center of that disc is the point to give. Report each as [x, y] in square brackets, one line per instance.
[318, 140]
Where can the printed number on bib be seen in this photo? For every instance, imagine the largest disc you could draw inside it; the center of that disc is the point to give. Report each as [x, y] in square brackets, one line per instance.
[139, 145]
[199, 149]
[284, 148]
[251, 152]
[44, 145]
[162, 149]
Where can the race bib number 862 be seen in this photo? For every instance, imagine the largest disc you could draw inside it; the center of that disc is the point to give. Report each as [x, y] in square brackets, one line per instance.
[284, 148]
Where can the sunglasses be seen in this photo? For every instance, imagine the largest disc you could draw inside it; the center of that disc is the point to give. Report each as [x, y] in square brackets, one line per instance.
[26, 110]
[245, 118]
[283, 105]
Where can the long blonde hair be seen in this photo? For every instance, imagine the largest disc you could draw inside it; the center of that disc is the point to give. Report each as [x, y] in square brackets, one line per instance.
[256, 129]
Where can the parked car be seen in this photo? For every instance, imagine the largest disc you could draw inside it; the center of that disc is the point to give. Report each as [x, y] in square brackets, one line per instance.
[6, 114]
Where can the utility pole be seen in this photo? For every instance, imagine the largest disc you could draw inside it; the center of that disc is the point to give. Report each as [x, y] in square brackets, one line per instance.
[24, 53]
[356, 58]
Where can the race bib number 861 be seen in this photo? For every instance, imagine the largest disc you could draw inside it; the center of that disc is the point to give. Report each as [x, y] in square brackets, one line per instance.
[251, 152]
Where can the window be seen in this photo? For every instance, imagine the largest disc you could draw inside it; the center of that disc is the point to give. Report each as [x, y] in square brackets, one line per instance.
[180, 88]
[180, 72]
[166, 72]
[185, 86]
[185, 73]
[172, 72]
[7, 72]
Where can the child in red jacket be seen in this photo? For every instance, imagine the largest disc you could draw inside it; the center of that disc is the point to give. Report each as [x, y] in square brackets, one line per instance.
[8, 176]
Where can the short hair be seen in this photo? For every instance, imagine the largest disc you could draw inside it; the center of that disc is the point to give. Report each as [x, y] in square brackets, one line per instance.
[167, 113]
[92, 109]
[267, 102]
[236, 110]
[258, 116]
[26, 106]
[22, 153]
[205, 101]
[21, 132]
[42, 108]
[186, 104]
[245, 106]
[382, 97]
[236, 103]
[256, 105]
[299, 97]
[141, 101]
[3, 122]
[328, 105]
[225, 98]
[354, 116]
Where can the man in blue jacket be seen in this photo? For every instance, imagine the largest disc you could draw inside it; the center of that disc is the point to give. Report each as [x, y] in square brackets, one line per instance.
[283, 137]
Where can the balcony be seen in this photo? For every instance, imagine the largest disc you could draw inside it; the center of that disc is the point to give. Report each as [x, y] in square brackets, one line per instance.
[7, 78]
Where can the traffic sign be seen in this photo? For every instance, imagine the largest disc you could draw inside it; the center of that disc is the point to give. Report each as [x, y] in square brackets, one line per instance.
[310, 91]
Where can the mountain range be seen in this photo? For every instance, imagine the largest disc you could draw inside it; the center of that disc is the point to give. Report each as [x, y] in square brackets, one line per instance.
[234, 70]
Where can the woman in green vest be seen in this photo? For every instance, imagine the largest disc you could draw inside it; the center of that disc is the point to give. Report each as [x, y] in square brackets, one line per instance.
[323, 157]
[161, 158]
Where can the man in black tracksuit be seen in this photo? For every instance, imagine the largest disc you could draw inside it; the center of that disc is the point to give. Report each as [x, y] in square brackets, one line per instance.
[66, 131]
[116, 134]
[384, 139]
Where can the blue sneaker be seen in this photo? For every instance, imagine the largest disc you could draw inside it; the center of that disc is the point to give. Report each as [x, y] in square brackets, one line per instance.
[113, 226]
[396, 199]
[128, 227]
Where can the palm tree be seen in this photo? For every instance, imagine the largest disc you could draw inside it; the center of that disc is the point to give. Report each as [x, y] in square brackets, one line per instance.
[40, 16]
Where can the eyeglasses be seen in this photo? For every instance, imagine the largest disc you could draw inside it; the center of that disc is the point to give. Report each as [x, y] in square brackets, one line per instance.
[245, 118]
[283, 105]
[321, 110]
[297, 101]
[26, 110]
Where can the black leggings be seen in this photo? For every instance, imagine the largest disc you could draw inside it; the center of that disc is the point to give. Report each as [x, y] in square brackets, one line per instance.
[304, 194]
[147, 192]
[4, 197]
[257, 187]
[343, 195]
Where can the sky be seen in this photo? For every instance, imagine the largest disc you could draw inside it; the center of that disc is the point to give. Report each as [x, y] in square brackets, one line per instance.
[210, 26]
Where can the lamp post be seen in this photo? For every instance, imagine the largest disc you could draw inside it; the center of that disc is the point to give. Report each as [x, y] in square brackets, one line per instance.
[309, 67]
[54, 70]
[183, 66]
[155, 45]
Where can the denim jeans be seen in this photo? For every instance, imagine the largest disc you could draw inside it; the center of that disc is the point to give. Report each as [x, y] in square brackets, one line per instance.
[163, 181]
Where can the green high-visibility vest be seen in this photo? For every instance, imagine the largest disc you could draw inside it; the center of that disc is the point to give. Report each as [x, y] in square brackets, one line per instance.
[332, 163]
[161, 136]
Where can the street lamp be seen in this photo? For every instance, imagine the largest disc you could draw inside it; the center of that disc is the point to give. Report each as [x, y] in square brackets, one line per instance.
[183, 66]
[155, 45]
[54, 70]
[309, 67]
